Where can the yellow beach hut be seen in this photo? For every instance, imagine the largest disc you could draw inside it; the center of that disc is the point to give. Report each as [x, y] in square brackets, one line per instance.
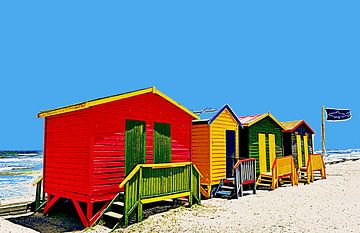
[215, 147]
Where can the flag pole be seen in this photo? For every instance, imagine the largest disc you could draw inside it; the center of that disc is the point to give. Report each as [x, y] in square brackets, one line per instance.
[323, 131]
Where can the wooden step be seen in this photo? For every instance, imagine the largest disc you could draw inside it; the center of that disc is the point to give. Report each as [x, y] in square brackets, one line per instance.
[14, 208]
[265, 181]
[182, 199]
[230, 179]
[119, 203]
[114, 215]
[266, 177]
[227, 187]
[265, 185]
[225, 193]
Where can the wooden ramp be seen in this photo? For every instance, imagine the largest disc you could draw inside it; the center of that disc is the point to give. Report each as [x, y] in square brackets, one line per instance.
[282, 169]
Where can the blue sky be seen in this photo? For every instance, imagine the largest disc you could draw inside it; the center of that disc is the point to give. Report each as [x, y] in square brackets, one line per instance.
[287, 57]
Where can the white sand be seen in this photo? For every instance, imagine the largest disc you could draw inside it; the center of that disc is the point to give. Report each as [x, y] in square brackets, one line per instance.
[331, 205]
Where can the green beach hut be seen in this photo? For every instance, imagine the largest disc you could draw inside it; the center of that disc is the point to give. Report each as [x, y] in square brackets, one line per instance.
[261, 138]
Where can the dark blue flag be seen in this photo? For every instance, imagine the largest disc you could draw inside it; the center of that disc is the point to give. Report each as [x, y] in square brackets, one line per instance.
[337, 114]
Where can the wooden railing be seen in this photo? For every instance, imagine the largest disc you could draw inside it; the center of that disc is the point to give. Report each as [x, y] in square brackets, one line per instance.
[284, 167]
[40, 195]
[245, 173]
[149, 183]
[317, 164]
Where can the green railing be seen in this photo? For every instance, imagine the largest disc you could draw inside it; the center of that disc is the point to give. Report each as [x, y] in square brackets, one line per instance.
[40, 195]
[149, 183]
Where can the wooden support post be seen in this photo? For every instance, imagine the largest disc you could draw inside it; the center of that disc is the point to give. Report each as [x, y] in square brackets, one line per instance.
[323, 131]
[83, 219]
[191, 189]
[96, 216]
[50, 203]
[126, 206]
[241, 189]
[139, 208]
[254, 189]
[38, 195]
[89, 210]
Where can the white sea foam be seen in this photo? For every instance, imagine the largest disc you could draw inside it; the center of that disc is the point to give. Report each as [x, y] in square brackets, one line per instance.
[19, 160]
[28, 154]
[11, 168]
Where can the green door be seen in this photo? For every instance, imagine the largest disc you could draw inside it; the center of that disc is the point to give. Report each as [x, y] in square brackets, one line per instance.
[162, 143]
[134, 144]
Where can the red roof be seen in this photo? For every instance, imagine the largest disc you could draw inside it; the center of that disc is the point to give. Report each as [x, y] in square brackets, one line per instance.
[250, 120]
[245, 120]
[291, 126]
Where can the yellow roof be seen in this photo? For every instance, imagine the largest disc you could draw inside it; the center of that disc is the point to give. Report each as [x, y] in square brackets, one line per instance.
[91, 103]
[289, 125]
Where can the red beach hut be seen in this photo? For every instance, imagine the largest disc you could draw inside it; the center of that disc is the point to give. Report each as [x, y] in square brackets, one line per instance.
[90, 147]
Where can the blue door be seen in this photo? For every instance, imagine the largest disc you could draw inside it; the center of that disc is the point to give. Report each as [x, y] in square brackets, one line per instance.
[230, 152]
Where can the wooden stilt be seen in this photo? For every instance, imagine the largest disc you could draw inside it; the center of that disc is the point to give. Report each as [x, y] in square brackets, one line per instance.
[83, 219]
[89, 210]
[50, 203]
[96, 216]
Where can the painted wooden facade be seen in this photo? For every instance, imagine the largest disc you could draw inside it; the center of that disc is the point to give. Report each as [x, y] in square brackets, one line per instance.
[215, 146]
[90, 147]
[298, 141]
[261, 138]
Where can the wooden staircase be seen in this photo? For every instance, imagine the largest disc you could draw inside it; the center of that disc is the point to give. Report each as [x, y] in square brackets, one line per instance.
[113, 215]
[266, 180]
[226, 188]
[283, 171]
[314, 164]
[40, 199]
[244, 174]
[304, 176]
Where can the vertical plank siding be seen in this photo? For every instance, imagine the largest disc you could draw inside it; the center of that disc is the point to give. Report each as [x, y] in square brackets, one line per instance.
[151, 184]
[201, 150]
[162, 143]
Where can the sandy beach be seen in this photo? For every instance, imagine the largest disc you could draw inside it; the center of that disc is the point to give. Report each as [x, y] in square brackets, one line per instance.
[331, 205]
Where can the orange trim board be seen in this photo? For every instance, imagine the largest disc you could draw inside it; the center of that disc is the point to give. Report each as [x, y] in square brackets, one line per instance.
[91, 103]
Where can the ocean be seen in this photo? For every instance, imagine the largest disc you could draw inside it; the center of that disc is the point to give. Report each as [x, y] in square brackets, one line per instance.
[19, 169]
